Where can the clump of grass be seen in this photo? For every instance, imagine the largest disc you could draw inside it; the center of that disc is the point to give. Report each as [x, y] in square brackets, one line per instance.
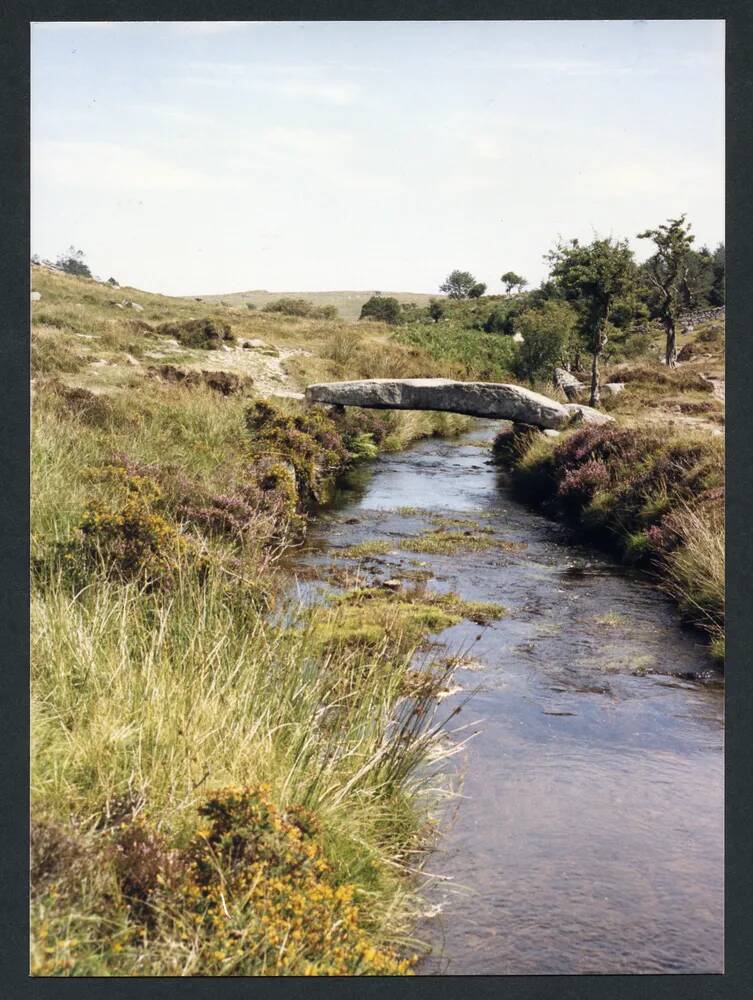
[447, 543]
[693, 557]
[198, 691]
[365, 550]
[370, 617]
[50, 355]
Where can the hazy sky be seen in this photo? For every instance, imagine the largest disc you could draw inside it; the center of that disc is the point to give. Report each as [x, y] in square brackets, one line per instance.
[214, 157]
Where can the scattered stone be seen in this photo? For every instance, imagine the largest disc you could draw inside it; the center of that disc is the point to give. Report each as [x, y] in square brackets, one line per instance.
[580, 414]
[549, 432]
[392, 584]
[611, 388]
[36, 296]
[568, 383]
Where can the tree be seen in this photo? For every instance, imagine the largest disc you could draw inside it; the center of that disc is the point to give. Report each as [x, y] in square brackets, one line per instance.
[717, 294]
[436, 310]
[461, 285]
[546, 333]
[113, 282]
[477, 291]
[668, 271]
[512, 280]
[72, 262]
[593, 277]
[382, 307]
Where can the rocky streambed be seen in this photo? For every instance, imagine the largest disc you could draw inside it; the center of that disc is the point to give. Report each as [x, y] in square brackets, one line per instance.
[589, 834]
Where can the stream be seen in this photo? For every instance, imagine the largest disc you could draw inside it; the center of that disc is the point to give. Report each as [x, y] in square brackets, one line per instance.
[588, 837]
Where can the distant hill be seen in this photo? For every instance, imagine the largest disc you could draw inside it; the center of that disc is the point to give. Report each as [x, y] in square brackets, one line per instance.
[348, 304]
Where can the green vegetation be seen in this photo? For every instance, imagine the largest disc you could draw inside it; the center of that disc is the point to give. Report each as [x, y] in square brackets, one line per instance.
[512, 280]
[668, 271]
[214, 792]
[546, 333]
[593, 278]
[383, 308]
[444, 542]
[462, 285]
[72, 262]
[368, 617]
[300, 307]
[367, 549]
[203, 333]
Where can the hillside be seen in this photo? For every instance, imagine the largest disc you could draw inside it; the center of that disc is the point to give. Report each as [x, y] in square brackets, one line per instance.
[347, 303]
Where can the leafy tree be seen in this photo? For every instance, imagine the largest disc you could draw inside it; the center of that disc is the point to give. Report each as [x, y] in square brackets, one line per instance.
[436, 310]
[502, 318]
[668, 271]
[512, 280]
[460, 285]
[382, 307]
[593, 277]
[72, 262]
[477, 291]
[546, 332]
[717, 293]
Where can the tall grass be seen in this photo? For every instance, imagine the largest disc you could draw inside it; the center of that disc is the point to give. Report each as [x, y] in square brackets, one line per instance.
[151, 695]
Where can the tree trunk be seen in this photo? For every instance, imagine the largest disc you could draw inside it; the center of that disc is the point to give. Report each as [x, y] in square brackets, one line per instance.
[595, 399]
[671, 348]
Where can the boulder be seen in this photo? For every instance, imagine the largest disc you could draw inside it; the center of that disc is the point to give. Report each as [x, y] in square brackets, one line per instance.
[611, 388]
[494, 400]
[568, 383]
[580, 414]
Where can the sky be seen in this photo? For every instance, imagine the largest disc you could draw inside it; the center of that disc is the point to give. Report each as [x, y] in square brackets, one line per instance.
[213, 157]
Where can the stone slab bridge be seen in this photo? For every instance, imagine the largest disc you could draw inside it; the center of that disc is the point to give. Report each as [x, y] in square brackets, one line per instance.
[494, 400]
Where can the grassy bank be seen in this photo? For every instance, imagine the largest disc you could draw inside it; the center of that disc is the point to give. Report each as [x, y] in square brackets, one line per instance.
[221, 784]
[654, 495]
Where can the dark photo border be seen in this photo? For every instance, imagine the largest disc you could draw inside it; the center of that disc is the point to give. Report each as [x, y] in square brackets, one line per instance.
[737, 981]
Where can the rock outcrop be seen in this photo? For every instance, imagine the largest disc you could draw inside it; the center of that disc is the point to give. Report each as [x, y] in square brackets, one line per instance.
[495, 400]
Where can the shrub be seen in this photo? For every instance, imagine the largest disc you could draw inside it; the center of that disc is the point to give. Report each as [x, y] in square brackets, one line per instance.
[129, 538]
[383, 308]
[207, 333]
[546, 332]
[72, 262]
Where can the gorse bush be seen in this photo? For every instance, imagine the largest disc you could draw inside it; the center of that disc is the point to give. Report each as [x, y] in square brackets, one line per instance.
[300, 307]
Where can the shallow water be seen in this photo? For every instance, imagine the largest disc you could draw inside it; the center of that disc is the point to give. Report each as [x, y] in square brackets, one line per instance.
[589, 837]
